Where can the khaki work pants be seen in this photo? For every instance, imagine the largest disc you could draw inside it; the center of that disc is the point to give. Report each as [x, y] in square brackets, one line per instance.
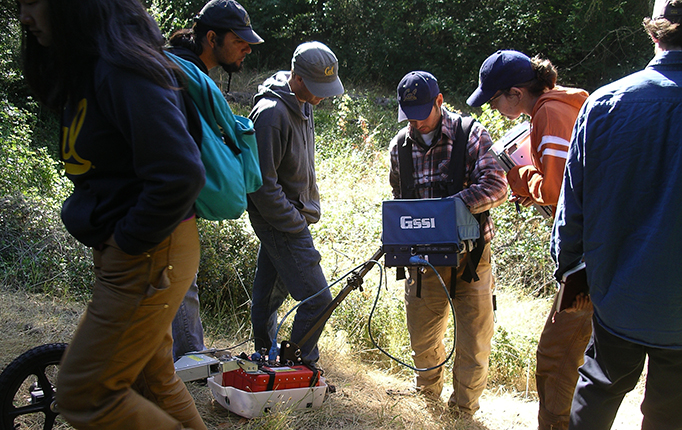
[118, 371]
[561, 350]
[427, 320]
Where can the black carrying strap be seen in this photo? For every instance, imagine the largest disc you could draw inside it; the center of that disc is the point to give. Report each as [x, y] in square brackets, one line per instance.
[271, 378]
[193, 119]
[406, 165]
[315, 377]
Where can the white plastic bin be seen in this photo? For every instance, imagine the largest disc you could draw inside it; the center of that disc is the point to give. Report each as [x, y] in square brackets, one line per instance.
[250, 405]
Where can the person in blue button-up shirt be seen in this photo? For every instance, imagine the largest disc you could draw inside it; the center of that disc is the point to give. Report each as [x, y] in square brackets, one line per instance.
[620, 209]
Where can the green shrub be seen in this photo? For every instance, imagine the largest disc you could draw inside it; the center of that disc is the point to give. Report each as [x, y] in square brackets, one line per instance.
[512, 360]
[36, 251]
[37, 254]
[521, 251]
[27, 170]
[228, 262]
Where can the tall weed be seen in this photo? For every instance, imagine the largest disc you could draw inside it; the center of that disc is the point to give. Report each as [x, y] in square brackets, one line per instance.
[36, 252]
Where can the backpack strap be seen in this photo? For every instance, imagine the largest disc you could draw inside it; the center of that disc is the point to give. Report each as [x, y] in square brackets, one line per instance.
[406, 165]
[459, 149]
[193, 120]
[473, 257]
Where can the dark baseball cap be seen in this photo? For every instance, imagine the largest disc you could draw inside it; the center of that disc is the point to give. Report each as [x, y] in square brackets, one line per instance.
[319, 68]
[228, 15]
[416, 93]
[501, 71]
[665, 9]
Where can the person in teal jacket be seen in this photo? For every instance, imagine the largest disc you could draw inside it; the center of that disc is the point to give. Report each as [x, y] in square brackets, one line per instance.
[221, 36]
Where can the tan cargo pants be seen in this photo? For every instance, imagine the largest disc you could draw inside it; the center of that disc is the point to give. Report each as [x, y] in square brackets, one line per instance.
[561, 351]
[427, 320]
[118, 371]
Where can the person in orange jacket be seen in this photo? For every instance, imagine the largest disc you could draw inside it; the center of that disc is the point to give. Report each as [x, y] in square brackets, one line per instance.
[514, 84]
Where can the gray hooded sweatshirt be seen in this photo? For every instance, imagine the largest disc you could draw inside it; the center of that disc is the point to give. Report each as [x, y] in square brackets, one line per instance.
[289, 199]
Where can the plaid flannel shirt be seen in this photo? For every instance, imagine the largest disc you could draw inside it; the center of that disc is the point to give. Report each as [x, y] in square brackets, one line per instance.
[485, 185]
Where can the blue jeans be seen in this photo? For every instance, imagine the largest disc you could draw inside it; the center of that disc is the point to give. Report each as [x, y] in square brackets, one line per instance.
[288, 264]
[612, 369]
[188, 334]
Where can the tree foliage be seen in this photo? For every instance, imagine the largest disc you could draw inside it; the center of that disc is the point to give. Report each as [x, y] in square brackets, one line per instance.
[592, 42]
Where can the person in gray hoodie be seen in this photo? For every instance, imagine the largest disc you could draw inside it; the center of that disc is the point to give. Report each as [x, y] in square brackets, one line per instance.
[289, 201]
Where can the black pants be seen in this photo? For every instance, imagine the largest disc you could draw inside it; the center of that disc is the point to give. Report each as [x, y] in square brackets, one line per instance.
[612, 369]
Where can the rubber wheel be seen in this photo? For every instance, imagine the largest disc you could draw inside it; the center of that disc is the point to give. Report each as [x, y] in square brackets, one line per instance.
[27, 388]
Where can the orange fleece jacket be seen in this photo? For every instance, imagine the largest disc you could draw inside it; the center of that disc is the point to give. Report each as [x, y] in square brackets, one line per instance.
[552, 122]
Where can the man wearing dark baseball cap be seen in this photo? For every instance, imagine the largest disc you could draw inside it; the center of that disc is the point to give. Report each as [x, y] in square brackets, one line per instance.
[228, 15]
[619, 212]
[515, 85]
[289, 200]
[221, 36]
[417, 92]
[434, 157]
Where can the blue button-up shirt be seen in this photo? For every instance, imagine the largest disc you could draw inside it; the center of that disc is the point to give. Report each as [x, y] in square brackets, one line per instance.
[621, 200]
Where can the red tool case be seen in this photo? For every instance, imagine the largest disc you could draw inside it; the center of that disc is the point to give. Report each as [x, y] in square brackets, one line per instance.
[272, 378]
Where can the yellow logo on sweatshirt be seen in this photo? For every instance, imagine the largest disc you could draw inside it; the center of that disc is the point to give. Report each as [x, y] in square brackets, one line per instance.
[73, 163]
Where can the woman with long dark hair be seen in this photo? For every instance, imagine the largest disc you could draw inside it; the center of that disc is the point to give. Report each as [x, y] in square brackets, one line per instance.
[136, 173]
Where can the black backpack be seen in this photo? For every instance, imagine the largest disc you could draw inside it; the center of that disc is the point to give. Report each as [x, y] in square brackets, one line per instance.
[453, 185]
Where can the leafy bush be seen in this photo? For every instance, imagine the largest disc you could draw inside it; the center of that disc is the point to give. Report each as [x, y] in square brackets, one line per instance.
[228, 264]
[37, 254]
[378, 42]
[27, 170]
[512, 360]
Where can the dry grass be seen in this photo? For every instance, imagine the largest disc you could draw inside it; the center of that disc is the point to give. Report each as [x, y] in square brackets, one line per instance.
[360, 401]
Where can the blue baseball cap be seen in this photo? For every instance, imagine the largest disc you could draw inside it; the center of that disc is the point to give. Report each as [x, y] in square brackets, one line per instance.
[501, 71]
[416, 92]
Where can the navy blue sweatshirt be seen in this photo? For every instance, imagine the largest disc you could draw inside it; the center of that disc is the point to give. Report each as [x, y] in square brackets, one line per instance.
[136, 170]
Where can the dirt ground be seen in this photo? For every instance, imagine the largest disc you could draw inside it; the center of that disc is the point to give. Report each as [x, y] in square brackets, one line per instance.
[361, 400]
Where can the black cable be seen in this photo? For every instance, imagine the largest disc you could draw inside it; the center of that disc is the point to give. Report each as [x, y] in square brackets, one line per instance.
[454, 322]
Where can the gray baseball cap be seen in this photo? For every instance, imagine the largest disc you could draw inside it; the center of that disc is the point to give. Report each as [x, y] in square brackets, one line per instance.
[319, 68]
[228, 15]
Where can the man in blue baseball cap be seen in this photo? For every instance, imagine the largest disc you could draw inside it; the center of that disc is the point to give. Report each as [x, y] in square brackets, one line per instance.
[442, 154]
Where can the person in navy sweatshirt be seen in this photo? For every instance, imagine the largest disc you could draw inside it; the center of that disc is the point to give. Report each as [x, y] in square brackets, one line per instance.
[136, 173]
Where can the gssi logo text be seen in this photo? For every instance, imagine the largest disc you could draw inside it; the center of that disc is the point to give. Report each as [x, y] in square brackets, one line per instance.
[409, 223]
